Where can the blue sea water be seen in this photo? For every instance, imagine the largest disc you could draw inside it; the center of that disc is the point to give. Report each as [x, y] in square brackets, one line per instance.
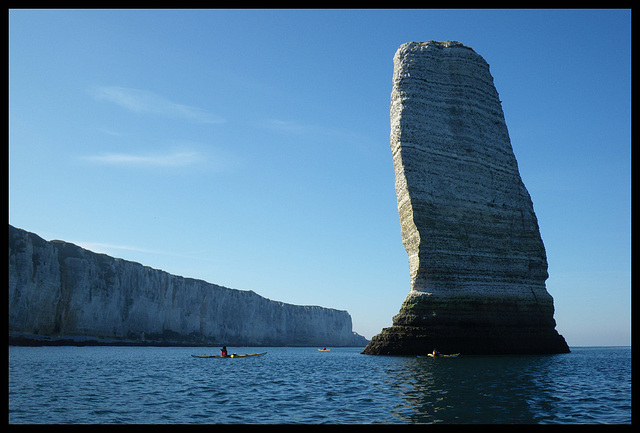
[154, 385]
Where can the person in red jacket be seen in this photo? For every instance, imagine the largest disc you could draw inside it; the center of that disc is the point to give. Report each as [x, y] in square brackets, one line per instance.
[223, 351]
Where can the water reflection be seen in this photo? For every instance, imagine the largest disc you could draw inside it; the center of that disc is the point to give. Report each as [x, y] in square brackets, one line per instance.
[300, 385]
[471, 389]
[582, 387]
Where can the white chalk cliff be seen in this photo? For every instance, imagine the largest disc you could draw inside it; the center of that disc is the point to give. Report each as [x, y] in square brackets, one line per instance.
[59, 290]
[477, 262]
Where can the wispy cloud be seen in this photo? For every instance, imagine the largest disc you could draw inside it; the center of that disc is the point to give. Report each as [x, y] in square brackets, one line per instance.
[145, 102]
[301, 129]
[169, 159]
[100, 247]
[109, 131]
[115, 250]
[287, 126]
[212, 159]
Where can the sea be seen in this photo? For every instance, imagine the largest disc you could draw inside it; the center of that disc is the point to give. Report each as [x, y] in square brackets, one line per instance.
[301, 385]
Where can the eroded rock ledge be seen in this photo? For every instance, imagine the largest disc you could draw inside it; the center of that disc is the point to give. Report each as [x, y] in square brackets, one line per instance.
[476, 258]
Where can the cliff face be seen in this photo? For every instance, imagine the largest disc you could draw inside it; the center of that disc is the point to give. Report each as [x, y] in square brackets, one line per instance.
[57, 289]
[476, 259]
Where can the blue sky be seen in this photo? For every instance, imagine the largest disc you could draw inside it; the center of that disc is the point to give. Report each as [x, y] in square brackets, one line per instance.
[250, 148]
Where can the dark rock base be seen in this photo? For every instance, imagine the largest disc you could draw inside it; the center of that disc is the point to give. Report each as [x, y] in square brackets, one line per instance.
[471, 327]
[409, 340]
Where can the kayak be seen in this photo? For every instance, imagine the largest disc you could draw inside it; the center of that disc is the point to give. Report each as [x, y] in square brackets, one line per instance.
[431, 355]
[229, 356]
[324, 350]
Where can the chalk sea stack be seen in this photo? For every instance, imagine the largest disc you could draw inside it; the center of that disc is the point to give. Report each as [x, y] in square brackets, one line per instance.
[476, 258]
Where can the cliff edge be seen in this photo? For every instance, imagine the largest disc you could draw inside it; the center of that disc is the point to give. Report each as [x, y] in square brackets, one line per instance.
[61, 292]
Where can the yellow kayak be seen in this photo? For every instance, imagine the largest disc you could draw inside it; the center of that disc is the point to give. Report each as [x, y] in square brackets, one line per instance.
[324, 350]
[229, 356]
[433, 355]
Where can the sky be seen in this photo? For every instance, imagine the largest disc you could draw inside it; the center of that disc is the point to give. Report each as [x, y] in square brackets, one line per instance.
[250, 148]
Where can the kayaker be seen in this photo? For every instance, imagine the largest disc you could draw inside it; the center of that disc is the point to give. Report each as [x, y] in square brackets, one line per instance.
[436, 353]
[223, 351]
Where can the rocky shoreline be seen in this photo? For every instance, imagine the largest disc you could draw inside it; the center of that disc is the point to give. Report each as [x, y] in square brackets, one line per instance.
[39, 341]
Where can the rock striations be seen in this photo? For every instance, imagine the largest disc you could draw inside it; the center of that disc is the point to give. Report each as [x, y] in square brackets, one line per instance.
[476, 259]
[59, 291]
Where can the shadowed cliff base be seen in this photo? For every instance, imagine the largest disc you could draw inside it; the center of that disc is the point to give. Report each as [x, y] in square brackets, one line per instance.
[405, 340]
[471, 327]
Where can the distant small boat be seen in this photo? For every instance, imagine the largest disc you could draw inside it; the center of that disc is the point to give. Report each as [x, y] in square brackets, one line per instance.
[324, 350]
[234, 355]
